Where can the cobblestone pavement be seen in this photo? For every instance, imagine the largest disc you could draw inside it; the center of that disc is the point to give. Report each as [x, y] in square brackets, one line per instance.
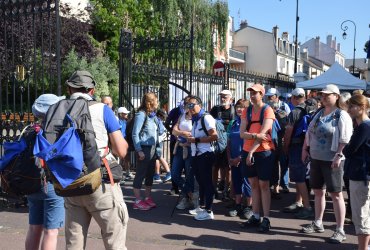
[156, 229]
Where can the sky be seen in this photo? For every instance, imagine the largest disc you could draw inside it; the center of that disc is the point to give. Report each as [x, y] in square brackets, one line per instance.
[316, 18]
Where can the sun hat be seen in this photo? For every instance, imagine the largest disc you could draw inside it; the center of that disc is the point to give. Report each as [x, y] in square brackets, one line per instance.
[81, 79]
[43, 102]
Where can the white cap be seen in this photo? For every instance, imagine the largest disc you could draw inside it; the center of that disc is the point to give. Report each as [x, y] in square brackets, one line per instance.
[226, 92]
[298, 92]
[330, 89]
[272, 91]
[123, 110]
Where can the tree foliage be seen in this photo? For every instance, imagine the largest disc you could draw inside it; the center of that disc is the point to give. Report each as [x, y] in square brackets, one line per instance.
[158, 18]
[104, 71]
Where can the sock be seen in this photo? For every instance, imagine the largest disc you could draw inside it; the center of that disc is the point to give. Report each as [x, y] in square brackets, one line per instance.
[318, 222]
[257, 216]
[300, 204]
[340, 229]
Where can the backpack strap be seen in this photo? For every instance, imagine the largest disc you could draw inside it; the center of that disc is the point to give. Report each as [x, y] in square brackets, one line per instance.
[202, 122]
[262, 114]
[249, 117]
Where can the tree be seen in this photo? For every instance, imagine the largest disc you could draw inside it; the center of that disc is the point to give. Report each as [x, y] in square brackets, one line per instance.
[158, 18]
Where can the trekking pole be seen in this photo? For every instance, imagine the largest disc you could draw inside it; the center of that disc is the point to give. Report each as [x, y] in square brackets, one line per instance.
[174, 207]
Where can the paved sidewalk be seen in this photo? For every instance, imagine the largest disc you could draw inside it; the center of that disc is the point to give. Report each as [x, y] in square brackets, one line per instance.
[156, 229]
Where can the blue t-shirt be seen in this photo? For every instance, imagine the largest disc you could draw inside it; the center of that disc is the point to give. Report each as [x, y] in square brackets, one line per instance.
[110, 120]
[236, 143]
[123, 124]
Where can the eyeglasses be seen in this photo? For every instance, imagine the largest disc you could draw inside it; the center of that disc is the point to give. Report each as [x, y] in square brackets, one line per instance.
[191, 105]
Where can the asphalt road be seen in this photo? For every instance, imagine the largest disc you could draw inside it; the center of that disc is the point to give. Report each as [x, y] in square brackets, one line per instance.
[156, 229]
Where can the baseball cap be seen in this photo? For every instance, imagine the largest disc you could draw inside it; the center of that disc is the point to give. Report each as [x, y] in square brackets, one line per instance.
[330, 89]
[123, 110]
[298, 92]
[225, 92]
[272, 91]
[43, 102]
[80, 79]
[257, 87]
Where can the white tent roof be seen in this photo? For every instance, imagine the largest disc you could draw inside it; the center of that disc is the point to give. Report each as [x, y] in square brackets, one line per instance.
[335, 75]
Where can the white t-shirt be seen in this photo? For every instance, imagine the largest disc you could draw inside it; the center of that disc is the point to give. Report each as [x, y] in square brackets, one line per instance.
[184, 124]
[197, 132]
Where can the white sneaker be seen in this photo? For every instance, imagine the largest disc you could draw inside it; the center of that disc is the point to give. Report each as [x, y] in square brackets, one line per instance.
[183, 204]
[196, 210]
[204, 215]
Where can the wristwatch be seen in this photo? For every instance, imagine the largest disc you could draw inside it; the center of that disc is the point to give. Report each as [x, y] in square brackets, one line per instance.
[197, 140]
[339, 154]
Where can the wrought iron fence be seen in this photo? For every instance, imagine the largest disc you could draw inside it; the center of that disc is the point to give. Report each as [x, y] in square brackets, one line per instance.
[29, 60]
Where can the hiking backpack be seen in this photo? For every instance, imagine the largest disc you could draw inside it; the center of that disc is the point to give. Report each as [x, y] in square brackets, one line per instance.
[275, 125]
[221, 143]
[67, 144]
[129, 128]
[20, 173]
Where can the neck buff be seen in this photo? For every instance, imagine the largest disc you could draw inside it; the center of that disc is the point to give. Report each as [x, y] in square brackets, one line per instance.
[196, 117]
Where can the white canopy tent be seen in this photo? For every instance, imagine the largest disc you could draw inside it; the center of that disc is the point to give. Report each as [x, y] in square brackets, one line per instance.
[337, 75]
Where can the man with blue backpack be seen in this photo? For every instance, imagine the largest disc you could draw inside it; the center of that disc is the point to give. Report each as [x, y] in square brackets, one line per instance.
[295, 131]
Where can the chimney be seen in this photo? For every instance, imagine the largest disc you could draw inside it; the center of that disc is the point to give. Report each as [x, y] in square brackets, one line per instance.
[305, 53]
[243, 24]
[329, 39]
[317, 47]
[338, 47]
[334, 43]
[285, 36]
[275, 32]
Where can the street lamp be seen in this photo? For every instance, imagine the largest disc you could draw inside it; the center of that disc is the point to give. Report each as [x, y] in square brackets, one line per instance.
[296, 38]
[344, 35]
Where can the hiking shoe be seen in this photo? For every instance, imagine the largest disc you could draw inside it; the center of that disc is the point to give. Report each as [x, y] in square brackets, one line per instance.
[141, 205]
[264, 226]
[337, 237]
[183, 204]
[173, 191]
[247, 213]
[294, 208]
[129, 177]
[196, 210]
[157, 178]
[167, 177]
[150, 202]
[313, 228]
[285, 190]
[251, 222]
[237, 210]
[204, 215]
[304, 213]
[221, 186]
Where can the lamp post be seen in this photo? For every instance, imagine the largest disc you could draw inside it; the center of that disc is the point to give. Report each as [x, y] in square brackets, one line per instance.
[344, 35]
[296, 38]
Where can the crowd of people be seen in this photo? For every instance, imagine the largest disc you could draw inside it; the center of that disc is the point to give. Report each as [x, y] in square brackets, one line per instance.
[322, 144]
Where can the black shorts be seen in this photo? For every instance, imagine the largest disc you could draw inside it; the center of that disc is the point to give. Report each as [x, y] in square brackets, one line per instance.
[221, 160]
[322, 176]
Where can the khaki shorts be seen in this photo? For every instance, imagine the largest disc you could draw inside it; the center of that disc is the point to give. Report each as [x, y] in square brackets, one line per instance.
[107, 207]
[360, 204]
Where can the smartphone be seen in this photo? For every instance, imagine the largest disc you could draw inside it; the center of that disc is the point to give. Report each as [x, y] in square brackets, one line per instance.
[252, 160]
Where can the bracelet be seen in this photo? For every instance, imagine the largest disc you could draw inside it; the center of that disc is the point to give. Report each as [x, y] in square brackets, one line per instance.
[197, 140]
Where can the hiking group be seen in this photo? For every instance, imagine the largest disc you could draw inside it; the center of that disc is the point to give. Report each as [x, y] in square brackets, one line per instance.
[247, 149]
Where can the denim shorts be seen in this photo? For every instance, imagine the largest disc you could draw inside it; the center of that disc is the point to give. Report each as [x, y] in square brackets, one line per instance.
[297, 169]
[262, 167]
[46, 209]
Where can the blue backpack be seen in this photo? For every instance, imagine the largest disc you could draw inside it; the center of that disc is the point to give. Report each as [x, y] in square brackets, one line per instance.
[220, 144]
[275, 125]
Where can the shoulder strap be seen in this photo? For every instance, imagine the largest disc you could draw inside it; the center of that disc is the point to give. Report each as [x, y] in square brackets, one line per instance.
[262, 114]
[232, 112]
[202, 122]
[249, 117]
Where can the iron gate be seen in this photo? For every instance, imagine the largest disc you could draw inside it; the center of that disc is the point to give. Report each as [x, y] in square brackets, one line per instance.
[29, 60]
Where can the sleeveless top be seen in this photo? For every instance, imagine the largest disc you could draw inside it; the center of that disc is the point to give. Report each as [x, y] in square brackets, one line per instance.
[184, 124]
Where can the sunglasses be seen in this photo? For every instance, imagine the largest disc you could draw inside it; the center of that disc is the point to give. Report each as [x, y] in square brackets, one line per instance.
[191, 105]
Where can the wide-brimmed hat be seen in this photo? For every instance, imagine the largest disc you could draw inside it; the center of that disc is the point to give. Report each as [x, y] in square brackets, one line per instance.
[81, 79]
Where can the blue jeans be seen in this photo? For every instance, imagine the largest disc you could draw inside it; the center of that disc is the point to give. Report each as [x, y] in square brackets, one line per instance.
[46, 209]
[178, 165]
